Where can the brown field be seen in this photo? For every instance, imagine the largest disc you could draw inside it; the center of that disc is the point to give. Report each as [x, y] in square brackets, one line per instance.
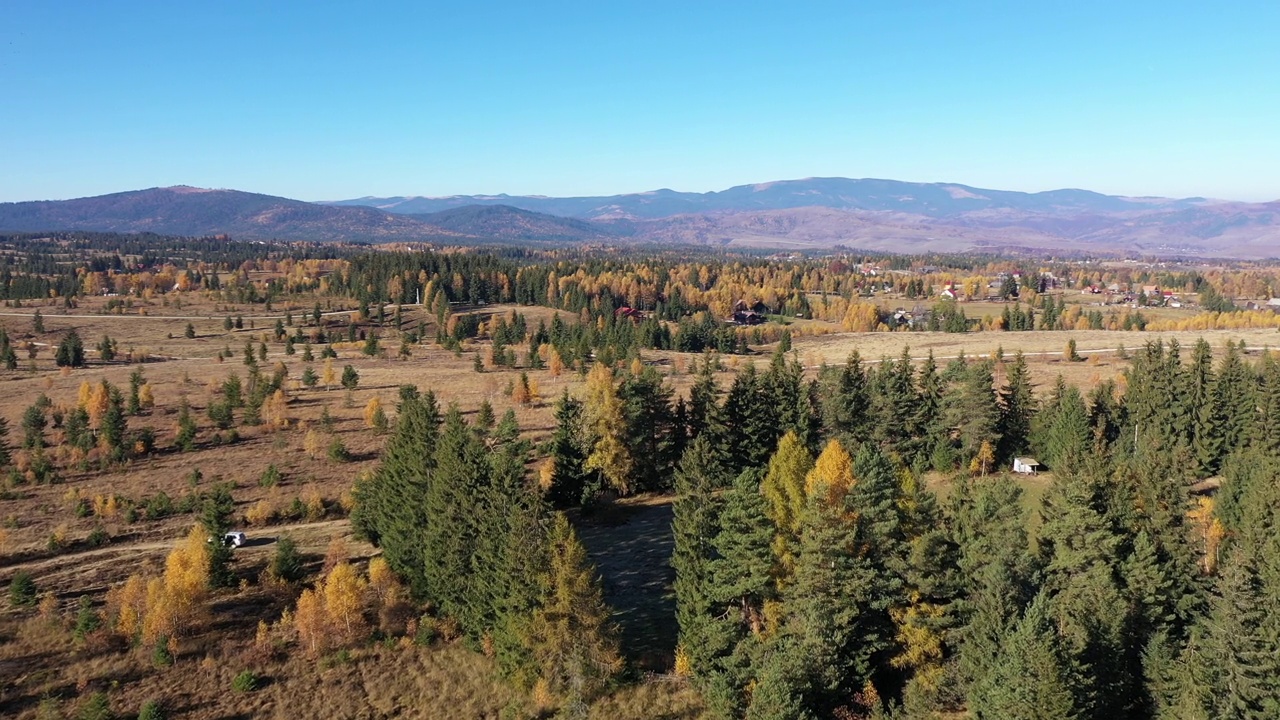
[38, 661]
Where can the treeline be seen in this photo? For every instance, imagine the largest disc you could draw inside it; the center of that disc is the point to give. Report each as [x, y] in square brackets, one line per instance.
[65, 265]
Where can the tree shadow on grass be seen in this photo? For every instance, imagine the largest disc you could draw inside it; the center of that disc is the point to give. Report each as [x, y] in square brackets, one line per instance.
[632, 553]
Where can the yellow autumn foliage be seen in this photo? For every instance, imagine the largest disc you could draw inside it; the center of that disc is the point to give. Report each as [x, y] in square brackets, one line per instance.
[832, 474]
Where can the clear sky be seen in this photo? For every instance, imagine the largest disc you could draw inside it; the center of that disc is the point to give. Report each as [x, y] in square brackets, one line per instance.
[322, 100]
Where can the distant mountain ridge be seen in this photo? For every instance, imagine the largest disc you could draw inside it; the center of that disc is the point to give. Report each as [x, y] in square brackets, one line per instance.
[901, 216]
[812, 214]
[935, 200]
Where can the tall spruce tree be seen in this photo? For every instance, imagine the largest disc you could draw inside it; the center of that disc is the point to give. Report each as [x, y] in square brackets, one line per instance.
[1267, 426]
[1234, 400]
[753, 421]
[651, 431]
[846, 401]
[1081, 550]
[449, 539]
[972, 410]
[1205, 439]
[390, 508]
[929, 427]
[694, 525]
[571, 483]
[1017, 407]
[837, 606]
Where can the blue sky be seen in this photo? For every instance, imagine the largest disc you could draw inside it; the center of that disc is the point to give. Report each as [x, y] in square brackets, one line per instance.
[324, 101]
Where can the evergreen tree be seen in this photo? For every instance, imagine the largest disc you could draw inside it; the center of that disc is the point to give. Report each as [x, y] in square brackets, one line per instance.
[1232, 665]
[779, 690]
[704, 403]
[33, 424]
[136, 381]
[742, 571]
[651, 433]
[113, 426]
[893, 401]
[70, 350]
[846, 401]
[1205, 438]
[511, 558]
[350, 378]
[1017, 407]
[928, 429]
[695, 525]
[1033, 681]
[453, 527]
[972, 410]
[1090, 610]
[1106, 416]
[1267, 425]
[570, 483]
[1234, 400]
[837, 605]
[186, 435]
[390, 506]
[753, 430]
[988, 524]
[1063, 435]
[216, 507]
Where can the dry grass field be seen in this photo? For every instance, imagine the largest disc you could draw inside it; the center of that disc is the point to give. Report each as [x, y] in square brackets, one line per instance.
[41, 668]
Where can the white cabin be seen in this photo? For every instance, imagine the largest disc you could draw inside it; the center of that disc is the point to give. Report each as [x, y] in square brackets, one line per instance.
[1026, 466]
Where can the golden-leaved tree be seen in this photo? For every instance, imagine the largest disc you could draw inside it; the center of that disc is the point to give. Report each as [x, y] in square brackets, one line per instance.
[783, 488]
[570, 634]
[610, 454]
[168, 606]
[344, 600]
[832, 474]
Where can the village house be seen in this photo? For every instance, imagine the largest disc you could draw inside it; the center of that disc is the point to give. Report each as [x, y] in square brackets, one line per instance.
[629, 313]
[744, 314]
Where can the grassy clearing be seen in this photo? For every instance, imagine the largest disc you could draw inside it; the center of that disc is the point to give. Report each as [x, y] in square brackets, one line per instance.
[631, 542]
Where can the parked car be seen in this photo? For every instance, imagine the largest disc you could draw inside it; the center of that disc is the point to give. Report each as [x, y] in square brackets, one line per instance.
[233, 539]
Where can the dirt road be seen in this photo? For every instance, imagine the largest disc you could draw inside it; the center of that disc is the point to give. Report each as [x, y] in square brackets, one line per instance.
[103, 565]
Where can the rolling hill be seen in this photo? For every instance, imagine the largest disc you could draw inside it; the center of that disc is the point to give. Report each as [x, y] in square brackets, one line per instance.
[193, 211]
[503, 222]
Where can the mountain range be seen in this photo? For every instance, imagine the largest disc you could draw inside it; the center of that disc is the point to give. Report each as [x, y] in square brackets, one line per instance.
[813, 213]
